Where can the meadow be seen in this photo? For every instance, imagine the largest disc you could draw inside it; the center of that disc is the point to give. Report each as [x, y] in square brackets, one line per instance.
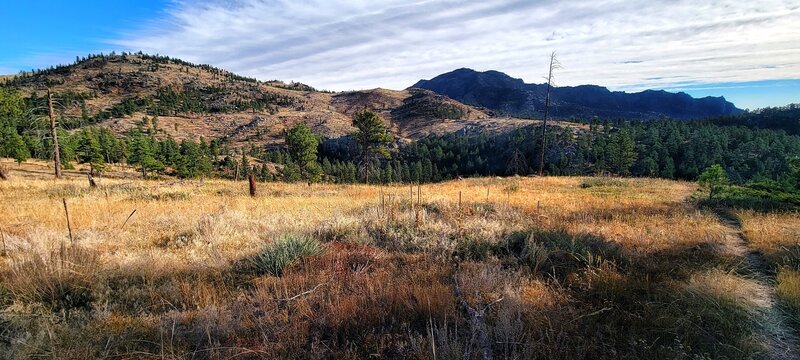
[509, 268]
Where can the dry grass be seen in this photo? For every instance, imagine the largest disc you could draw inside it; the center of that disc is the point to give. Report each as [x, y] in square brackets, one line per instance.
[777, 236]
[629, 262]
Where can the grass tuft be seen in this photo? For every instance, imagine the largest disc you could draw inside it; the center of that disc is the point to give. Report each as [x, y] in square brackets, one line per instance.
[61, 281]
[281, 254]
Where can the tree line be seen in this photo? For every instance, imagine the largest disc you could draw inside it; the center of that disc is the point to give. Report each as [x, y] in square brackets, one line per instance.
[663, 148]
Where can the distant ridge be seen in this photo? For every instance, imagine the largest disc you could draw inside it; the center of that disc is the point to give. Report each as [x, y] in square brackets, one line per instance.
[501, 93]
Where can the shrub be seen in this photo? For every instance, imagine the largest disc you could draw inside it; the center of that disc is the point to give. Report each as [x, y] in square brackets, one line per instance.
[512, 187]
[601, 181]
[747, 197]
[474, 248]
[276, 257]
[62, 281]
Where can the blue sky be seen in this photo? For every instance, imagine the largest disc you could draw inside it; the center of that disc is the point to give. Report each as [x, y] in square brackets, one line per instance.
[748, 52]
[43, 33]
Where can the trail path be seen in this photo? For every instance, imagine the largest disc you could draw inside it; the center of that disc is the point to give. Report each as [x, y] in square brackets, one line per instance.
[779, 338]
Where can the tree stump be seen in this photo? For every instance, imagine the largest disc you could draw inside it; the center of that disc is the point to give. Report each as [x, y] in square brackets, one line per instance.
[252, 180]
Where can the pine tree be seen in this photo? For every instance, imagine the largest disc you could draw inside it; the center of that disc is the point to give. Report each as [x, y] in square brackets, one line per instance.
[244, 166]
[302, 145]
[388, 174]
[714, 178]
[622, 153]
[89, 151]
[372, 138]
[406, 172]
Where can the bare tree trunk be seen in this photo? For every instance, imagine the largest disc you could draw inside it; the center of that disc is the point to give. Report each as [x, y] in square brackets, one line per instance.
[553, 65]
[56, 156]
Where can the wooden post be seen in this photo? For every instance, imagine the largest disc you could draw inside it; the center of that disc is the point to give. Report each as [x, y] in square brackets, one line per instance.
[69, 226]
[383, 200]
[252, 185]
[56, 155]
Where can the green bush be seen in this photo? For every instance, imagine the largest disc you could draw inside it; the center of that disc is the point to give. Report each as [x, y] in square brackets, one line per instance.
[755, 197]
[474, 248]
[602, 181]
[279, 255]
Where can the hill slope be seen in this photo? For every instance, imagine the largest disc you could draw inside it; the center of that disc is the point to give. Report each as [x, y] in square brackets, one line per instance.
[190, 101]
[504, 94]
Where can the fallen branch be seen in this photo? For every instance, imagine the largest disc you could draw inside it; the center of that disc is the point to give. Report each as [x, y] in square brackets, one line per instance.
[304, 293]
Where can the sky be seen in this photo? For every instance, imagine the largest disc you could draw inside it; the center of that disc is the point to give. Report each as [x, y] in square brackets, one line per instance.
[747, 51]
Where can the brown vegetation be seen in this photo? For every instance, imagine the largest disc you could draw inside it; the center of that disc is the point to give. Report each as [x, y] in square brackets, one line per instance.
[619, 269]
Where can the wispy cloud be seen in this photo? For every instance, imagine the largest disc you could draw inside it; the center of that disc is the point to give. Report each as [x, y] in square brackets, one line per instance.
[627, 45]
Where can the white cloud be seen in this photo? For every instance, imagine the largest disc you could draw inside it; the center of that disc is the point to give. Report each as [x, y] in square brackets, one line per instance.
[626, 45]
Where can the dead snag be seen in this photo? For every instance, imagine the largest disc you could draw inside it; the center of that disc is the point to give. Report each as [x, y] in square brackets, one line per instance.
[252, 180]
[54, 136]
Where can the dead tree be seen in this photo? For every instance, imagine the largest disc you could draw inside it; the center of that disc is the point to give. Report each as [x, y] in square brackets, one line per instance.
[553, 65]
[56, 156]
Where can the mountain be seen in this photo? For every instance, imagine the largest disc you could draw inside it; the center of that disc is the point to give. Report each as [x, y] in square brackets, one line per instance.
[117, 91]
[503, 94]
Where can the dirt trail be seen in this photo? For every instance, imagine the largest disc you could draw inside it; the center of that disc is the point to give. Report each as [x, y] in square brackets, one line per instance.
[779, 338]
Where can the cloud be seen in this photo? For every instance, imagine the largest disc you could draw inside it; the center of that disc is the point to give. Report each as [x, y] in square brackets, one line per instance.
[354, 44]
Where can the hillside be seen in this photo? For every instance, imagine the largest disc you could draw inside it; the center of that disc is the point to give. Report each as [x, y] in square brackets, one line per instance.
[190, 101]
[501, 93]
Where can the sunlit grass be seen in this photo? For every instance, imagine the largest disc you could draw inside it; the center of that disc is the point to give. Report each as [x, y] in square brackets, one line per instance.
[621, 259]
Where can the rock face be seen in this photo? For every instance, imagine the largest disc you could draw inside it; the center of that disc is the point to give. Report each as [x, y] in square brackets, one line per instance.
[503, 94]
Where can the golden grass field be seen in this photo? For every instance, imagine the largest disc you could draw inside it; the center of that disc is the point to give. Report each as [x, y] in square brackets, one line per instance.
[561, 267]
